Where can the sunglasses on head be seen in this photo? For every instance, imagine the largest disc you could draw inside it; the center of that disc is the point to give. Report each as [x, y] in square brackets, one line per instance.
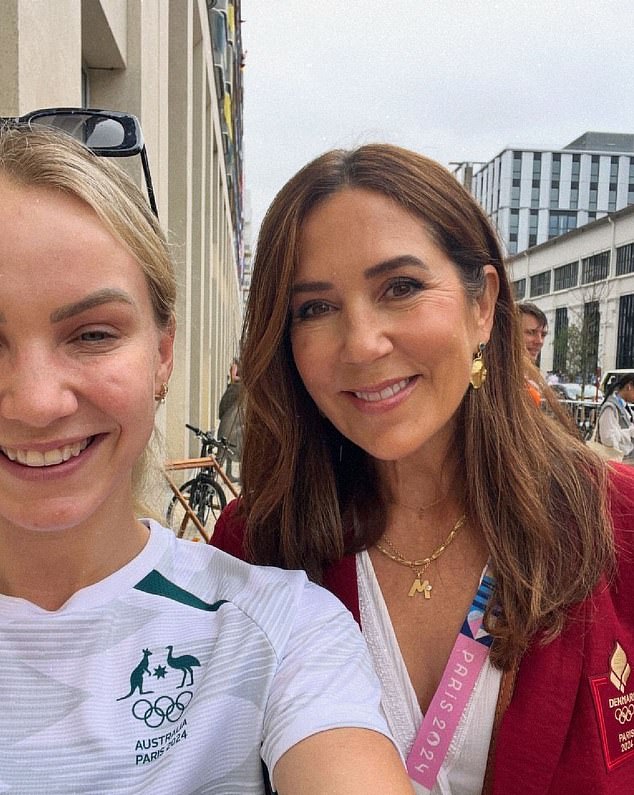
[107, 133]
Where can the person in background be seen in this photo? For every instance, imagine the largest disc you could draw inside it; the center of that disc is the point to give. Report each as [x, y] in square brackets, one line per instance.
[230, 419]
[408, 469]
[133, 661]
[615, 422]
[534, 328]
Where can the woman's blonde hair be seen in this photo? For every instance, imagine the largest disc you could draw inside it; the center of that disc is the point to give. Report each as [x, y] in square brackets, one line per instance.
[38, 157]
[310, 495]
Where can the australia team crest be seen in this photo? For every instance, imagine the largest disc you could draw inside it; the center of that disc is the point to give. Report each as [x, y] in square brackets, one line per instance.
[158, 694]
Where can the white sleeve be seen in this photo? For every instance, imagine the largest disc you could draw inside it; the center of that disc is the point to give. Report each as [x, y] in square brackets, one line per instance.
[325, 679]
[611, 433]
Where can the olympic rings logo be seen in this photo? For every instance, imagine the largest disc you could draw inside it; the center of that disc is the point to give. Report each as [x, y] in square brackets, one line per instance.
[164, 709]
[624, 714]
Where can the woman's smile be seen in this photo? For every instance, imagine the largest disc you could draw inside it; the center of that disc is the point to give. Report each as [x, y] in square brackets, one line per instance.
[374, 394]
[382, 397]
[32, 457]
[63, 463]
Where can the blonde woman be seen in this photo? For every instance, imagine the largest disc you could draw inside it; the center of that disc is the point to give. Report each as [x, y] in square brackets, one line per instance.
[132, 661]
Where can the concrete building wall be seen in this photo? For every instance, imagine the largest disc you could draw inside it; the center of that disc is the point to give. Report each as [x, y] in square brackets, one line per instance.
[152, 58]
[610, 234]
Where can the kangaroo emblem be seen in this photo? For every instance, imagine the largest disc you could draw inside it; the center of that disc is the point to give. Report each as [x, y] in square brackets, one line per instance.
[136, 677]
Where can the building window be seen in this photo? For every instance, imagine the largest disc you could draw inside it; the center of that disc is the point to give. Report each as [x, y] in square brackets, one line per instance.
[532, 228]
[612, 197]
[574, 195]
[560, 344]
[594, 168]
[519, 289]
[535, 194]
[554, 194]
[576, 166]
[561, 222]
[566, 277]
[594, 192]
[515, 195]
[595, 268]
[591, 326]
[517, 165]
[625, 333]
[540, 284]
[625, 259]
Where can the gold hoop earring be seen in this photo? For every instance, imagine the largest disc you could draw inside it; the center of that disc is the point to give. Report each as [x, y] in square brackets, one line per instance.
[162, 393]
[478, 368]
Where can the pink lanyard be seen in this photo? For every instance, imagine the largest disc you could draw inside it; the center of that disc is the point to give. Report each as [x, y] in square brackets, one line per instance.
[466, 660]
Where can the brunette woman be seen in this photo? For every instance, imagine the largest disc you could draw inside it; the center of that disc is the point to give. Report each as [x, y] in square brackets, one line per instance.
[393, 452]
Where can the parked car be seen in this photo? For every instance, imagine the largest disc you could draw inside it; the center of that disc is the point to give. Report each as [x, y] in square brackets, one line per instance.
[573, 392]
[612, 375]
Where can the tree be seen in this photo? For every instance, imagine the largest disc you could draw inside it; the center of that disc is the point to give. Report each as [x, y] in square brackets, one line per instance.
[579, 359]
[582, 335]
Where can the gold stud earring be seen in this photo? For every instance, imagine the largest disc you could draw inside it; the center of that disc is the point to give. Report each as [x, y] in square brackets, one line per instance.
[478, 368]
[162, 393]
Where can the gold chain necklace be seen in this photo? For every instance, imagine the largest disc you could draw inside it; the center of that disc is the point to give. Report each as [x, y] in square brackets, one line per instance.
[419, 566]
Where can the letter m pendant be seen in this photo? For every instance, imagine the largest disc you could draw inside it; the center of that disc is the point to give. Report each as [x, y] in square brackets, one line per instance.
[420, 586]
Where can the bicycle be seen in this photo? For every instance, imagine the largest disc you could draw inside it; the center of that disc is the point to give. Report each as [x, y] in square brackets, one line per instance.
[203, 494]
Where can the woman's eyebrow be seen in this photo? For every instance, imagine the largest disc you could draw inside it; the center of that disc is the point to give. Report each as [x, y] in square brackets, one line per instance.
[375, 270]
[310, 287]
[105, 296]
[393, 264]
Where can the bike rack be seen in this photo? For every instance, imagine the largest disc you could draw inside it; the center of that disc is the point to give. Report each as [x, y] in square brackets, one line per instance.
[198, 463]
[187, 508]
[195, 463]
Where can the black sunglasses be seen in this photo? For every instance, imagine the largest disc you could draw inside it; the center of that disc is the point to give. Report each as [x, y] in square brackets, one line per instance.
[107, 133]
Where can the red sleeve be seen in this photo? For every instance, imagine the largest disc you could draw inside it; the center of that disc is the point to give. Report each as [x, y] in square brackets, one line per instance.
[622, 493]
[553, 690]
[229, 531]
[341, 579]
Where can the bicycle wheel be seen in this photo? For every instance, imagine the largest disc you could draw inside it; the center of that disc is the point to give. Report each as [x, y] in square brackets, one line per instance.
[209, 502]
[205, 498]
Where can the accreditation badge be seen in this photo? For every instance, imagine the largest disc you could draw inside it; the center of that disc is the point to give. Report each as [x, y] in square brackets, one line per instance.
[613, 695]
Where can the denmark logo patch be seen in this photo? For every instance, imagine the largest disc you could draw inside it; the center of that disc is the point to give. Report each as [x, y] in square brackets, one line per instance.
[613, 695]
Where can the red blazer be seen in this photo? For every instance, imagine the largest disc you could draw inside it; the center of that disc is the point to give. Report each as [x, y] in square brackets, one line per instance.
[569, 729]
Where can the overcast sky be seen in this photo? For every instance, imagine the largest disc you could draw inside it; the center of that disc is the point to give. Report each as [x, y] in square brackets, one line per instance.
[453, 79]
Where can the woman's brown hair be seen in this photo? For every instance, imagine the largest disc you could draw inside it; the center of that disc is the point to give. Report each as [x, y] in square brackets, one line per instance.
[310, 495]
